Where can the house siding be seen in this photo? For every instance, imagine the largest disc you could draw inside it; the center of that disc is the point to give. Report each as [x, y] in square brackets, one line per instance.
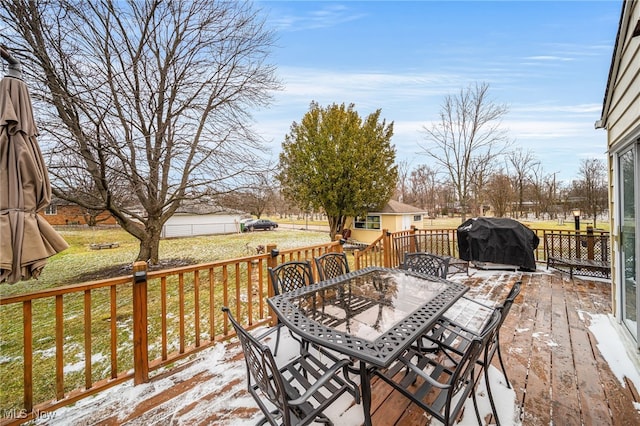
[623, 110]
[621, 119]
[391, 219]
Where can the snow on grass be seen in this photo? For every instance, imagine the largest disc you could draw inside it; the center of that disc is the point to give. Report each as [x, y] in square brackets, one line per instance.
[79, 366]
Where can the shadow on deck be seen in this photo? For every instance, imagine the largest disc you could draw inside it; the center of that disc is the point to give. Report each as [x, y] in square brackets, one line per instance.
[555, 367]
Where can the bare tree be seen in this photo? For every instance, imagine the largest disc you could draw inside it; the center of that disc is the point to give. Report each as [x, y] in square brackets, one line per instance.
[591, 187]
[468, 135]
[542, 189]
[402, 190]
[424, 188]
[482, 168]
[257, 198]
[499, 192]
[521, 165]
[149, 99]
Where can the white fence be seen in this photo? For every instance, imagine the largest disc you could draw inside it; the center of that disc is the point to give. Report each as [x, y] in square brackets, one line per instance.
[193, 229]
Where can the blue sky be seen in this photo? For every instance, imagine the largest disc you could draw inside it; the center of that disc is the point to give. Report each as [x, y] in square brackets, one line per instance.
[548, 61]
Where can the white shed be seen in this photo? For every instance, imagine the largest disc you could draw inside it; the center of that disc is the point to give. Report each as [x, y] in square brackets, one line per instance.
[202, 218]
[395, 216]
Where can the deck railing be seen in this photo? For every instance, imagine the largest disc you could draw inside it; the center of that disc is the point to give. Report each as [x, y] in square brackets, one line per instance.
[382, 252]
[66, 343]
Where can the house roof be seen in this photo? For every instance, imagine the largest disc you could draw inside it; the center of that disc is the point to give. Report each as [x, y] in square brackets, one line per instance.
[204, 206]
[624, 27]
[396, 207]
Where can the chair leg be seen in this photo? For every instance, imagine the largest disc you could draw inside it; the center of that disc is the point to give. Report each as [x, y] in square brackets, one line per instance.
[504, 370]
[475, 401]
[488, 386]
[275, 352]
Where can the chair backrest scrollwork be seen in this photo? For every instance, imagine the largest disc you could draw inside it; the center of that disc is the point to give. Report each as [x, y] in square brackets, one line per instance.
[426, 263]
[331, 265]
[291, 275]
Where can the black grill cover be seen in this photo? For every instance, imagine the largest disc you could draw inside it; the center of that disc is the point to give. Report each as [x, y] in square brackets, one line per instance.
[497, 240]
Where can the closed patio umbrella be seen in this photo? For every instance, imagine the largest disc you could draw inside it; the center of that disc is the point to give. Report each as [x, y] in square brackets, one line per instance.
[26, 239]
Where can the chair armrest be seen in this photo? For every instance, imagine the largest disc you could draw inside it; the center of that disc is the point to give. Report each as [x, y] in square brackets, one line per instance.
[328, 375]
[269, 331]
[425, 376]
[456, 331]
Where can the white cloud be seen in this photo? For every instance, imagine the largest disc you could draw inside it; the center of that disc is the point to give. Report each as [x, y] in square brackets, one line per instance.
[310, 83]
[559, 134]
[548, 58]
[327, 16]
[591, 108]
[547, 129]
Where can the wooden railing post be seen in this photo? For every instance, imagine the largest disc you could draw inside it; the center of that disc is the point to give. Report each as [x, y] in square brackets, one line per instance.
[272, 262]
[140, 329]
[412, 242]
[453, 242]
[386, 247]
[338, 247]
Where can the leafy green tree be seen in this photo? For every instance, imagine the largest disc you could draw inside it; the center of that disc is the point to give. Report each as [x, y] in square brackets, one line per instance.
[336, 161]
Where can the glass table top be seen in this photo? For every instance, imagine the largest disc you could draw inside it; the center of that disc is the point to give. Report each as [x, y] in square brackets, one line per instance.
[368, 305]
[374, 312]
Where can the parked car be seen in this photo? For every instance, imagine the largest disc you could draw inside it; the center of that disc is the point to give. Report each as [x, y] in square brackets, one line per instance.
[264, 224]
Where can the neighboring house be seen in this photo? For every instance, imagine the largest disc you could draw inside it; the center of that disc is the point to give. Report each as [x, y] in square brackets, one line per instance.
[621, 119]
[62, 212]
[202, 218]
[395, 216]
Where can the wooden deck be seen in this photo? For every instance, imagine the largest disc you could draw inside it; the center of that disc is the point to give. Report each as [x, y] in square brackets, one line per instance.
[556, 370]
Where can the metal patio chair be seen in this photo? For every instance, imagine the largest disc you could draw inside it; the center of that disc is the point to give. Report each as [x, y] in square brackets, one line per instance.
[286, 277]
[426, 263]
[440, 382]
[331, 265]
[437, 243]
[299, 391]
[455, 337]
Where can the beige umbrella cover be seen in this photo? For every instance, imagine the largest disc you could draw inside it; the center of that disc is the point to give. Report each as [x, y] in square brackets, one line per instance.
[26, 239]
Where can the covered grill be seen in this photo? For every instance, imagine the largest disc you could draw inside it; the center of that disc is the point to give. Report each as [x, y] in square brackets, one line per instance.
[497, 240]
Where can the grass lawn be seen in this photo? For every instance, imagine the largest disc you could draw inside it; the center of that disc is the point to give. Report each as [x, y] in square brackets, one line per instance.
[79, 263]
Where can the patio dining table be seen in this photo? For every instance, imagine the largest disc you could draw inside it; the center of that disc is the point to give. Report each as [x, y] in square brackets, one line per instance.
[371, 315]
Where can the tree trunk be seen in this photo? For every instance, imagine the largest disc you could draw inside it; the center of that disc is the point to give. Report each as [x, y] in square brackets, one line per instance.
[336, 225]
[150, 248]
